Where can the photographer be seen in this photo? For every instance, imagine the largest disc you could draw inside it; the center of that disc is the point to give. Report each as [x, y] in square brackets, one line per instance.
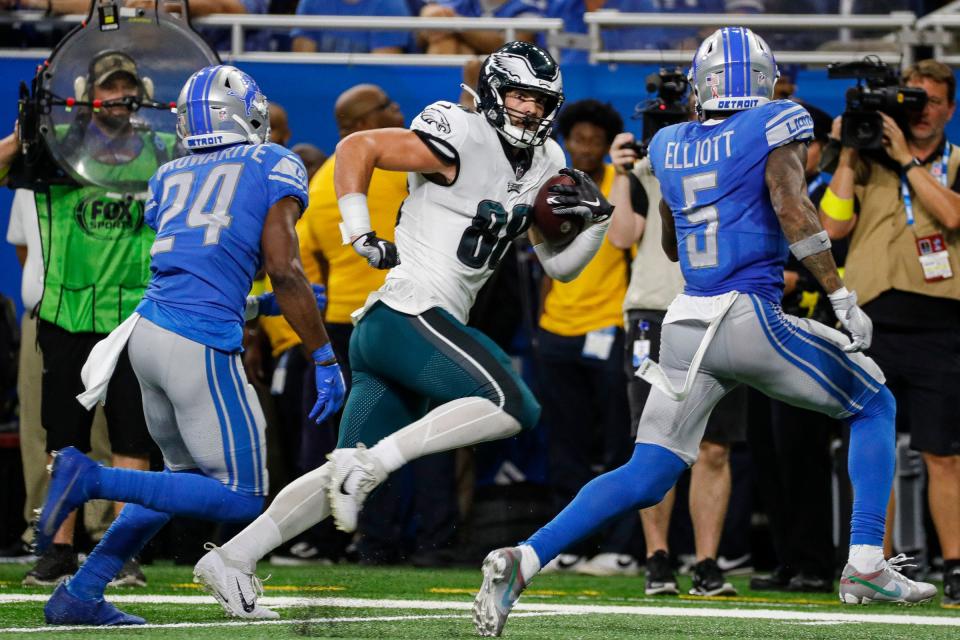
[901, 208]
[654, 282]
[96, 258]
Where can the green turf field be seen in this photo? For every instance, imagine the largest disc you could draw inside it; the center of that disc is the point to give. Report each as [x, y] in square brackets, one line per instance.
[348, 601]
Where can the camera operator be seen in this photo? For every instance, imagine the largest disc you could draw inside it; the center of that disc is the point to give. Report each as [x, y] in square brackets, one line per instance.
[901, 209]
[96, 257]
[654, 282]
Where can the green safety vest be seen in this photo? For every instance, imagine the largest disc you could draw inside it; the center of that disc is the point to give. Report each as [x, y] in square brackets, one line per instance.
[96, 246]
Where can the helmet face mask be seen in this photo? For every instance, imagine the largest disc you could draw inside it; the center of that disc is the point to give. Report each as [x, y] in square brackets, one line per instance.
[524, 67]
[733, 70]
[221, 105]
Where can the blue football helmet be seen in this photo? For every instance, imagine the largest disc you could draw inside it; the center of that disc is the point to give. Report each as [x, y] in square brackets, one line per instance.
[221, 105]
[733, 70]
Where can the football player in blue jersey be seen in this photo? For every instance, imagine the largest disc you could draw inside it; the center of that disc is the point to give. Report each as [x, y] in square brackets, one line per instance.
[220, 214]
[734, 203]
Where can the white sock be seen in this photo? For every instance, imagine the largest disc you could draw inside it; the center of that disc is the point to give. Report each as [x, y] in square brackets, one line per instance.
[529, 563]
[458, 423]
[866, 558]
[388, 453]
[259, 538]
[302, 504]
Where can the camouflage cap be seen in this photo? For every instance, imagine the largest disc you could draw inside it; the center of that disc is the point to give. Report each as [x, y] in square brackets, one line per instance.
[110, 63]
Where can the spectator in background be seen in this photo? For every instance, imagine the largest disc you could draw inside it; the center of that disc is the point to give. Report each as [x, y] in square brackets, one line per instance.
[786, 86]
[636, 222]
[904, 263]
[580, 350]
[279, 126]
[24, 233]
[354, 41]
[313, 158]
[476, 42]
[792, 451]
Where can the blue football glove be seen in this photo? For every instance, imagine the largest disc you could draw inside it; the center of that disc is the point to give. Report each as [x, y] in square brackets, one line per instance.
[268, 301]
[331, 388]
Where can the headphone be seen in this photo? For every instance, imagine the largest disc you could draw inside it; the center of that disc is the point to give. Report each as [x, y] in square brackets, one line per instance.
[82, 84]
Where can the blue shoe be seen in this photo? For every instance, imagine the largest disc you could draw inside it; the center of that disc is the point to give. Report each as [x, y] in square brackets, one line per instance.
[65, 608]
[66, 493]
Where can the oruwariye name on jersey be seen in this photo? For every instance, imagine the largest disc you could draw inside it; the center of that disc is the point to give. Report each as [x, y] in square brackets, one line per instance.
[451, 236]
[208, 210]
[712, 176]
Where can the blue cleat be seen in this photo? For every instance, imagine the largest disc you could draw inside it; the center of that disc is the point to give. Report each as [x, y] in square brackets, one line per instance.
[65, 608]
[66, 493]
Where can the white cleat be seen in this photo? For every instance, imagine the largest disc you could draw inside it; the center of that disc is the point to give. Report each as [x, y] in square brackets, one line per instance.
[355, 473]
[887, 584]
[235, 588]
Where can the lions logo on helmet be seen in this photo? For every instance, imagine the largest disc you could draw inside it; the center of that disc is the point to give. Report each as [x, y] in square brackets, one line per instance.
[520, 65]
[221, 105]
[733, 70]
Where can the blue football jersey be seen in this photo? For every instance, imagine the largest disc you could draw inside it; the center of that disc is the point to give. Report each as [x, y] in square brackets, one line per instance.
[712, 178]
[208, 210]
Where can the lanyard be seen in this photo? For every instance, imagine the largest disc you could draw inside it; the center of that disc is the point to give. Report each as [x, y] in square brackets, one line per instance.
[821, 178]
[905, 185]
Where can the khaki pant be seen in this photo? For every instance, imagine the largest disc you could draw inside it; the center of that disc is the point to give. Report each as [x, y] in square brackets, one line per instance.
[98, 514]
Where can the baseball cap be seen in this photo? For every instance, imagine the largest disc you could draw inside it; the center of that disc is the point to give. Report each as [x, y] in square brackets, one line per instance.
[110, 63]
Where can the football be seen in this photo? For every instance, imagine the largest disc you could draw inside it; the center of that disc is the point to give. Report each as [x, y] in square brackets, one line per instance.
[557, 230]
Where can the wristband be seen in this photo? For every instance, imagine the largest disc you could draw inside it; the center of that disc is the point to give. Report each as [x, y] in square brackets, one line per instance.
[839, 209]
[839, 294]
[904, 168]
[355, 214]
[323, 355]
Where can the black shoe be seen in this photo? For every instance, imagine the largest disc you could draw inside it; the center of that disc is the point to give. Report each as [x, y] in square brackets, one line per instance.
[779, 580]
[803, 583]
[18, 552]
[57, 564]
[708, 580]
[951, 587]
[661, 580]
[130, 575]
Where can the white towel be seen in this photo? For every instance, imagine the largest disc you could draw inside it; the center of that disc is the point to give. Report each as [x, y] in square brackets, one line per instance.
[708, 309]
[98, 369]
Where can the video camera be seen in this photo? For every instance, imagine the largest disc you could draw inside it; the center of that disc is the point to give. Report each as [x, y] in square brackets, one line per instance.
[669, 107]
[878, 89]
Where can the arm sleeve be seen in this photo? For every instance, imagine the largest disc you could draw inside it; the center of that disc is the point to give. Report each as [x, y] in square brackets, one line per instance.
[787, 122]
[152, 206]
[567, 263]
[287, 178]
[16, 233]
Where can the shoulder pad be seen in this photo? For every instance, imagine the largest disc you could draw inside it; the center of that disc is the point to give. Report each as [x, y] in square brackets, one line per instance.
[554, 154]
[444, 120]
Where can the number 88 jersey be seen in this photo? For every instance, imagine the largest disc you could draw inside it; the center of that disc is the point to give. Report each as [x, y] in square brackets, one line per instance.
[208, 210]
[450, 237]
[712, 176]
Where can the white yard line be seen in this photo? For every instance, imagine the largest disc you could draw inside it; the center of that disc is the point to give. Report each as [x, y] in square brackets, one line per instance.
[249, 623]
[847, 615]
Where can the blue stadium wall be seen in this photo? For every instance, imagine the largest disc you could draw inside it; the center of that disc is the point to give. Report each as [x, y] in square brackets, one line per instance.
[308, 92]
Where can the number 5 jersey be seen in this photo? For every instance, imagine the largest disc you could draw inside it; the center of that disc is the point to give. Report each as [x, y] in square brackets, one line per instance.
[712, 176]
[450, 237]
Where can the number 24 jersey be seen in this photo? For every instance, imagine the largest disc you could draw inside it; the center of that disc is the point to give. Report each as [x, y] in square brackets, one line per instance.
[712, 176]
[209, 210]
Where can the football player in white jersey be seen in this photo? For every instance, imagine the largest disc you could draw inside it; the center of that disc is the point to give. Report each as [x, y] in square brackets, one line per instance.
[473, 181]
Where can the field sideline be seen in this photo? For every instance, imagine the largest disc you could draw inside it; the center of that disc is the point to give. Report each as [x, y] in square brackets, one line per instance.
[348, 601]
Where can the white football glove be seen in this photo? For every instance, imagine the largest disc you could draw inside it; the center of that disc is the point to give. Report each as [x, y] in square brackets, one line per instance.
[853, 319]
[380, 253]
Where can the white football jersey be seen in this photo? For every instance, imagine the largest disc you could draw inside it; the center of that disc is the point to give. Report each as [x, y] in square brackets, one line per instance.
[450, 238]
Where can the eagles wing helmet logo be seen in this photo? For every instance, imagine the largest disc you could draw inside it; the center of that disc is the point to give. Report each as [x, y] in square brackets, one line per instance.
[437, 120]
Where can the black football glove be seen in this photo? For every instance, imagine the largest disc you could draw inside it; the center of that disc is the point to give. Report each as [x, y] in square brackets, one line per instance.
[581, 199]
[380, 253]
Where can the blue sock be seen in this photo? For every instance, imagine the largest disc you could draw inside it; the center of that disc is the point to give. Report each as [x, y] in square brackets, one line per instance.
[642, 482]
[871, 464]
[123, 540]
[184, 493]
